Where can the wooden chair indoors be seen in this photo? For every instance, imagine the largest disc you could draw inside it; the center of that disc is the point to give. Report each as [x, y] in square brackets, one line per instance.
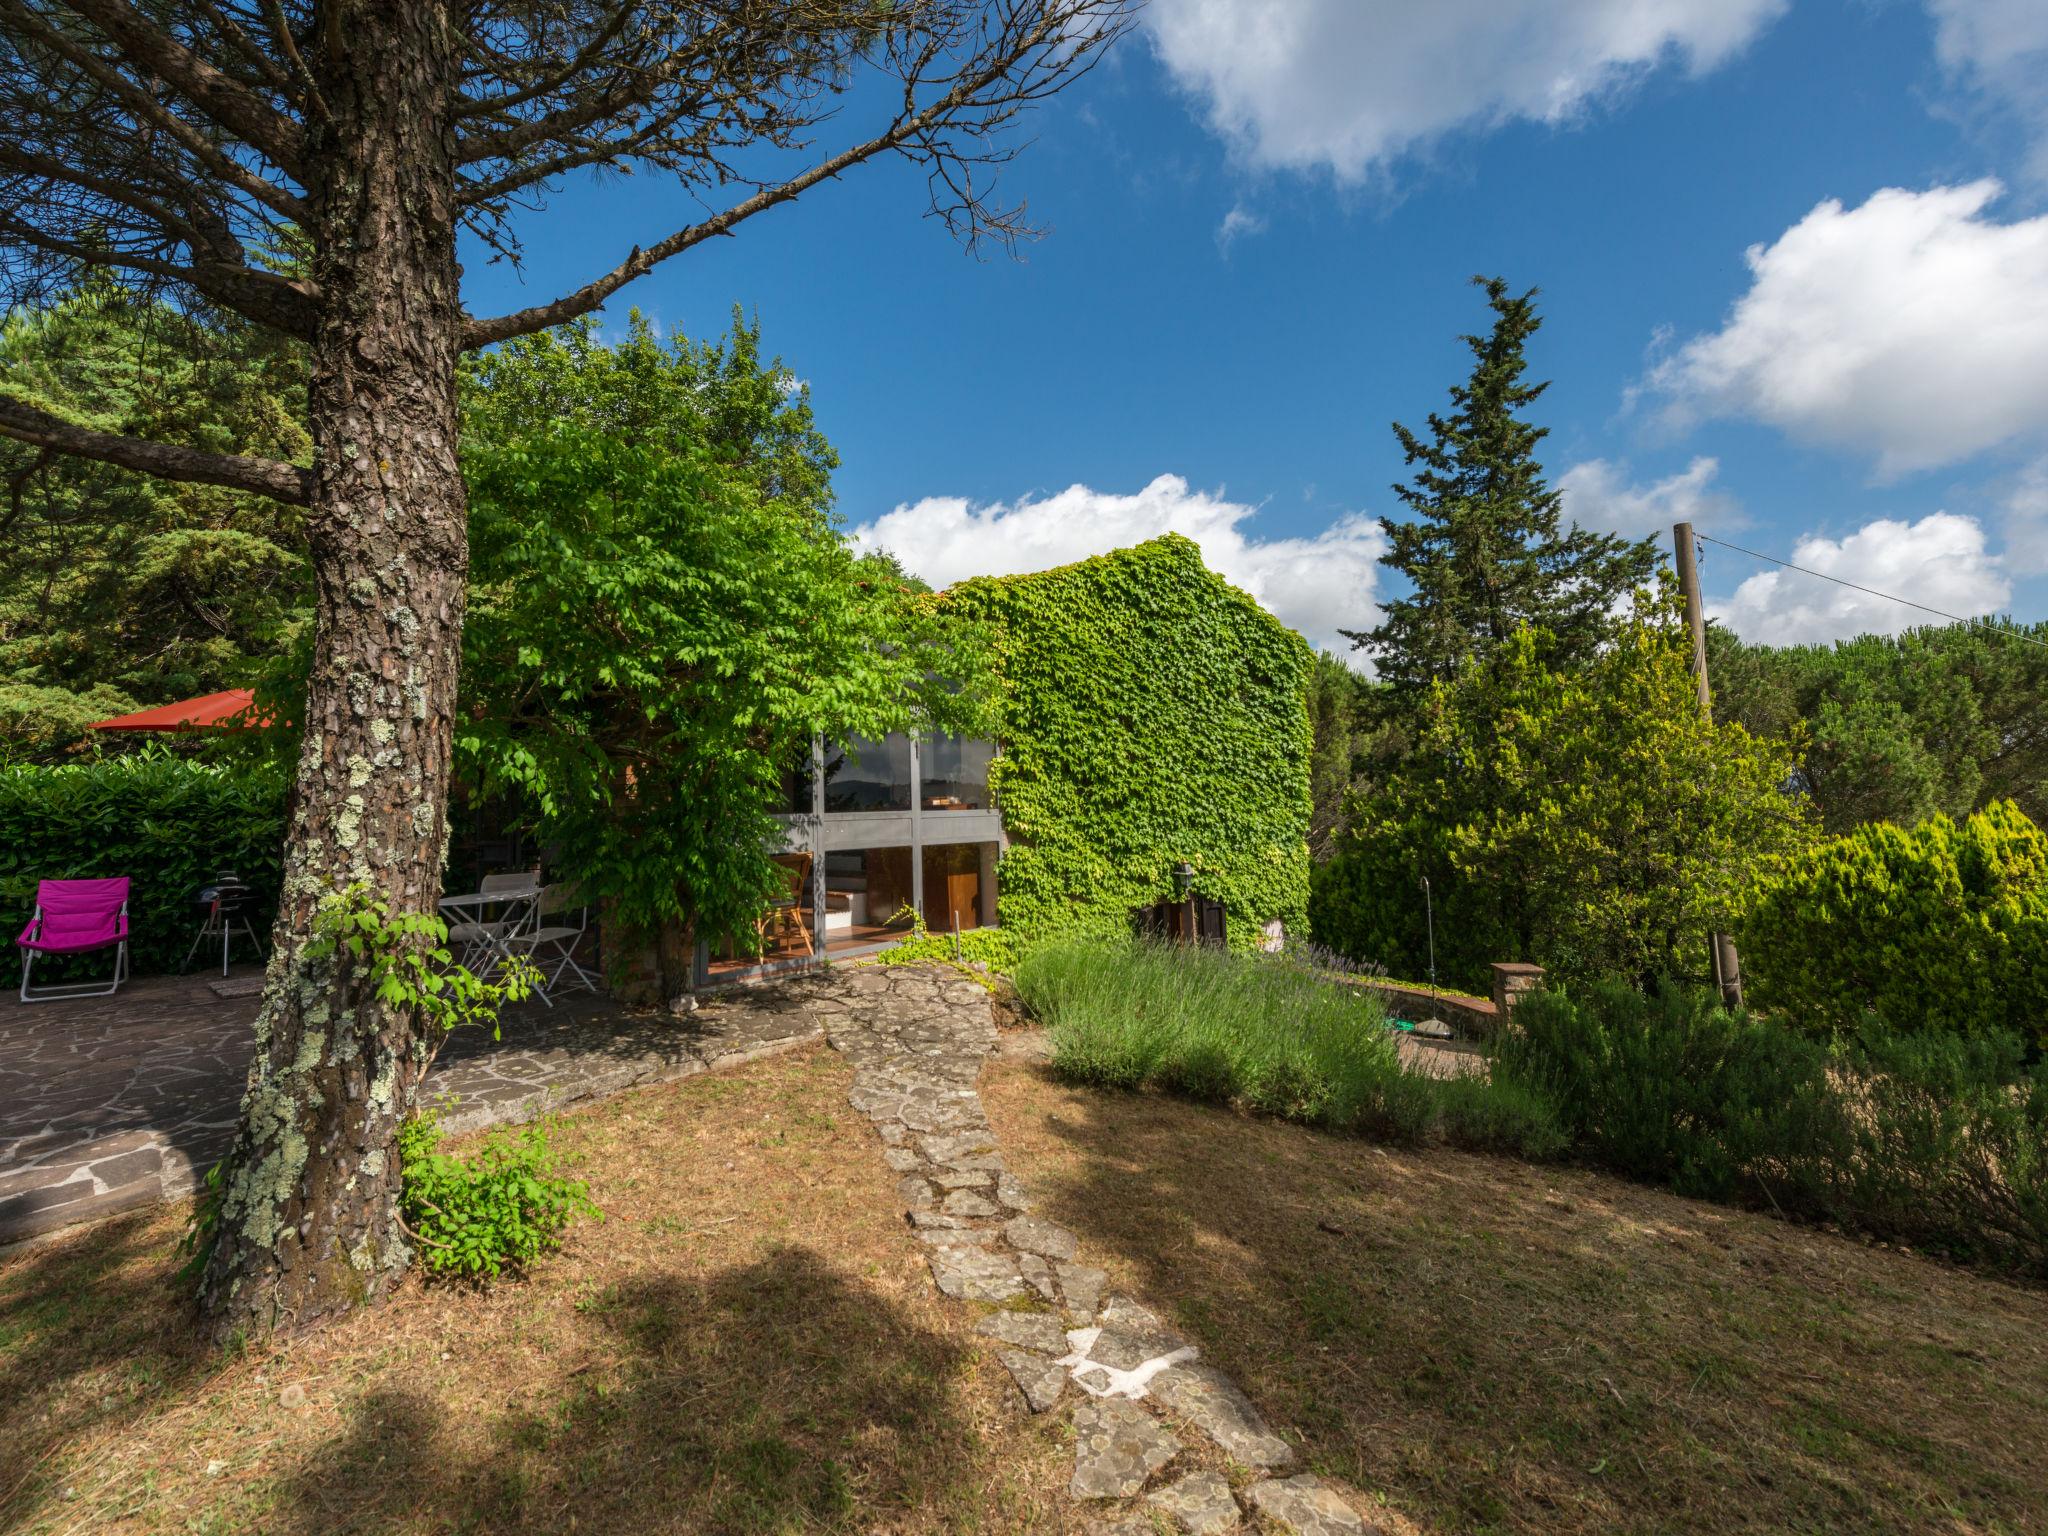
[788, 920]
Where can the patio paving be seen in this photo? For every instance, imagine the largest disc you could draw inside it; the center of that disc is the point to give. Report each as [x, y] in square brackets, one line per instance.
[116, 1102]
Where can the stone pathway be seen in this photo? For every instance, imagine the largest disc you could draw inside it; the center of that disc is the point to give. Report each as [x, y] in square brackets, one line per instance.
[917, 1037]
[107, 1104]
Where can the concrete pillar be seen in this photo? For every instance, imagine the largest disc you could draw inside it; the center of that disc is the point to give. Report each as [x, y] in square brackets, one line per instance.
[987, 884]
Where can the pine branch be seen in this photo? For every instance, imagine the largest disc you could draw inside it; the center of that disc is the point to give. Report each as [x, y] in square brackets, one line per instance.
[1036, 46]
[222, 98]
[265, 477]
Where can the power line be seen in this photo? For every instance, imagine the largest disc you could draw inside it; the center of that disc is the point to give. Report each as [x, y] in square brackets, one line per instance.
[1953, 618]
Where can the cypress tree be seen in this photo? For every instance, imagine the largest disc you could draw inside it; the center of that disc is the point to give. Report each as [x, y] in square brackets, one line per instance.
[1483, 547]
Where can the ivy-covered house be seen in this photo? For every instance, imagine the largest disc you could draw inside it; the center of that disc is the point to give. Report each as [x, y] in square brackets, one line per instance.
[1151, 714]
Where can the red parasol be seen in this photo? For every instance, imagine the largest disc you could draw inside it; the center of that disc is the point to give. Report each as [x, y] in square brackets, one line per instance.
[213, 711]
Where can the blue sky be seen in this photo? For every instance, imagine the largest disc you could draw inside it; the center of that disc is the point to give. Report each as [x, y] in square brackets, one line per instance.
[1794, 263]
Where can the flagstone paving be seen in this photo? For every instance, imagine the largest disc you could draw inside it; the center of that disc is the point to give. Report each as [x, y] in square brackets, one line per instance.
[1200, 1503]
[1303, 1505]
[111, 1103]
[917, 1037]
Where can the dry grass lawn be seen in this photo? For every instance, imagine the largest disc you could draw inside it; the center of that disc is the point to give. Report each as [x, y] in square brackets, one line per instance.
[1492, 1346]
[749, 1343]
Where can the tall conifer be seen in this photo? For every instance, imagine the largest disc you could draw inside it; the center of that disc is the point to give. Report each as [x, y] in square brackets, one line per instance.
[1484, 547]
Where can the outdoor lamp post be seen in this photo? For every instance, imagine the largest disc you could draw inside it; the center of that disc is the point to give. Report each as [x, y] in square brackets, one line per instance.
[1183, 880]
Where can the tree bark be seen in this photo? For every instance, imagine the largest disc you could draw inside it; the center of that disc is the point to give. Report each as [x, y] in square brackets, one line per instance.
[649, 966]
[307, 1220]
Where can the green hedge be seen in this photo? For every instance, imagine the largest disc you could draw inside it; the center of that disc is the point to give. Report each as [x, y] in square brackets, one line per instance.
[1366, 903]
[1933, 1139]
[1942, 927]
[168, 823]
[1152, 713]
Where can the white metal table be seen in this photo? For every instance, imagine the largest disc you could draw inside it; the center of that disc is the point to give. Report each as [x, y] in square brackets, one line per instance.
[488, 938]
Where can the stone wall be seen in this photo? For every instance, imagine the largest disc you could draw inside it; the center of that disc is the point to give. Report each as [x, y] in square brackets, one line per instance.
[1471, 1017]
[1468, 1016]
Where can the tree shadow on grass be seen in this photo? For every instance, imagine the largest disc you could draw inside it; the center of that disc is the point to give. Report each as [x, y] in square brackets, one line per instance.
[93, 1337]
[771, 1397]
[1498, 1345]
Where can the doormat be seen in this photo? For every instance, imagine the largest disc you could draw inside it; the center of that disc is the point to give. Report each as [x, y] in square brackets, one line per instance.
[238, 986]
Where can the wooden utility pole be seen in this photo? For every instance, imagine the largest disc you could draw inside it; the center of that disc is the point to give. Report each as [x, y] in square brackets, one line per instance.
[1721, 955]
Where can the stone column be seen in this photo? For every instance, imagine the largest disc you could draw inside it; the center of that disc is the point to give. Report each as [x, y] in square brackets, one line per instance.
[1511, 978]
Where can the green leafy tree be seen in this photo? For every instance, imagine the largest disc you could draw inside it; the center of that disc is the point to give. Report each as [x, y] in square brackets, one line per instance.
[1943, 926]
[1357, 740]
[39, 724]
[1484, 548]
[1937, 721]
[1588, 818]
[662, 612]
[172, 145]
[127, 590]
[120, 590]
[720, 398]
[1333, 717]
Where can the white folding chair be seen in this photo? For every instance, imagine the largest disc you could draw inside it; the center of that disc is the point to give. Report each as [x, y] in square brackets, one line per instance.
[550, 941]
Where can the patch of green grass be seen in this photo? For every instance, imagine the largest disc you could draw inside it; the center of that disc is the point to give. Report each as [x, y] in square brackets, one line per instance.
[1491, 1345]
[1268, 1033]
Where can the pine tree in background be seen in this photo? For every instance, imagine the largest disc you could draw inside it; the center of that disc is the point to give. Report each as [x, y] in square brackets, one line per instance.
[119, 590]
[1484, 548]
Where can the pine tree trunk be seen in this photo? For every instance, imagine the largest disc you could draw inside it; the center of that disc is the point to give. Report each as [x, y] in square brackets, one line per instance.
[307, 1223]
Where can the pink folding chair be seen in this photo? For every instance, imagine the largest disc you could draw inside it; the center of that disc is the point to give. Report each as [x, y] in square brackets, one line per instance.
[75, 917]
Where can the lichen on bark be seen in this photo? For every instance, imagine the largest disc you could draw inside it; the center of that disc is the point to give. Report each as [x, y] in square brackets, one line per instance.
[307, 1222]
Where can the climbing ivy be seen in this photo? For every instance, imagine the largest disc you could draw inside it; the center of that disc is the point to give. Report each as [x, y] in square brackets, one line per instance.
[1151, 713]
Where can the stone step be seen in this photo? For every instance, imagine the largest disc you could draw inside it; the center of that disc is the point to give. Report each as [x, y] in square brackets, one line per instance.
[1302, 1506]
[1117, 1448]
[1211, 1401]
[1200, 1504]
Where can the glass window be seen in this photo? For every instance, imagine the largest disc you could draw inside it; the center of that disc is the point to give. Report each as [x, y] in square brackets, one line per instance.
[865, 890]
[782, 931]
[956, 773]
[952, 887]
[793, 798]
[867, 775]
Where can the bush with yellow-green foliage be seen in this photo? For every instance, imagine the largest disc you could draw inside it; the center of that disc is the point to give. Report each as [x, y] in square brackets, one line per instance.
[1940, 926]
[1587, 817]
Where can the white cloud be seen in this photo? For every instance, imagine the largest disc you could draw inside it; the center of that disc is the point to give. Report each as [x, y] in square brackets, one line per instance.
[1598, 495]
[1318, 585]
[1999, 49]
[2026, 521]
[1940, 561]
[1238, 222]
[1351, 85]
[1911, 328]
